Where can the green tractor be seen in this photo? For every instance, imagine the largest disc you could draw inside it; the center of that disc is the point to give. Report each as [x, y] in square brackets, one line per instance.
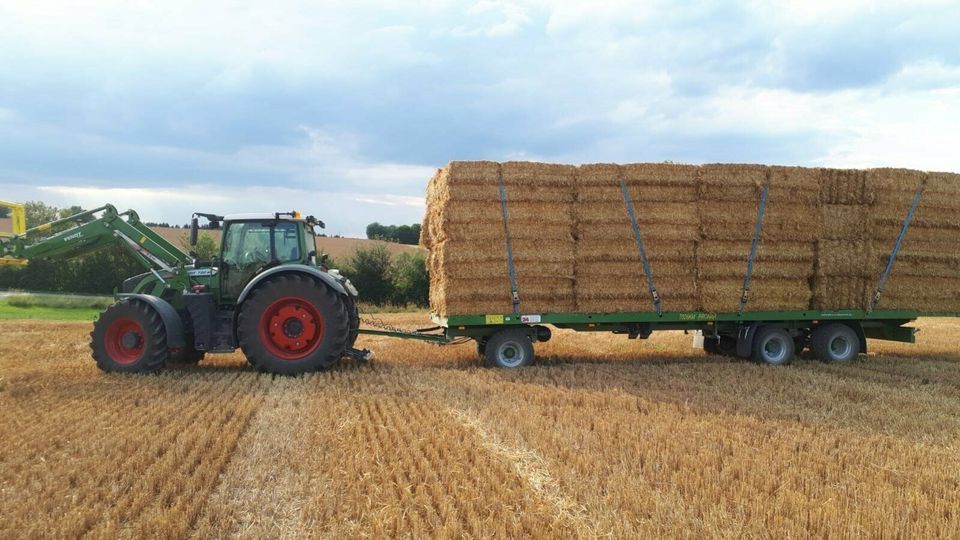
[268, 293]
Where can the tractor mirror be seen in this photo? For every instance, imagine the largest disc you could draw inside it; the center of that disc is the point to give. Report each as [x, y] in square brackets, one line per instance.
[193, 231]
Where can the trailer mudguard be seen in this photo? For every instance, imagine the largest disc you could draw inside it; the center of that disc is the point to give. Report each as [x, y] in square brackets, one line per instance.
[169, 315]
[294, 268]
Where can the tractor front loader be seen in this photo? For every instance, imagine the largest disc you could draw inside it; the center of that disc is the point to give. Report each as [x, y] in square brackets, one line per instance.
[266, 293]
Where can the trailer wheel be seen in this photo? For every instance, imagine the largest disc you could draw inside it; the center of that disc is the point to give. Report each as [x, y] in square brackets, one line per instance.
[509, 349]
[293, 324]
[773, 346]
[130, 337]
[835, 343]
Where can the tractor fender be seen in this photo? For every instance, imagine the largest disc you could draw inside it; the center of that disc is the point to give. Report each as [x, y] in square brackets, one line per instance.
[292, 268]
[169, 316]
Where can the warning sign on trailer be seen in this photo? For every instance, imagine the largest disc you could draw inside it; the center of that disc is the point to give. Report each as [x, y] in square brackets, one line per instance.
[529, 319]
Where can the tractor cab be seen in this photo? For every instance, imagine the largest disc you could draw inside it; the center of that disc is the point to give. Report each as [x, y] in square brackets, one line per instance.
[254, 243]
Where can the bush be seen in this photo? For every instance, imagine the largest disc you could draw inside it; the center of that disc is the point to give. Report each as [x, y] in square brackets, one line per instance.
[369, 270]
[410, 280]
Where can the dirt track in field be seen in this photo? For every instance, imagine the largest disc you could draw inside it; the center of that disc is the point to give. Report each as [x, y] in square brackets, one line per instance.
[605, 436]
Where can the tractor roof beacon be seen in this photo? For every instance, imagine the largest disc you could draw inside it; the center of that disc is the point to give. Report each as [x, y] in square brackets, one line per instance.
[267, 292]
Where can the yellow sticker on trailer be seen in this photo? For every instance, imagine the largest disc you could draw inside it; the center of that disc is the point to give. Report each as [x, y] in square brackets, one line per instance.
[494, 319]
[143, 239]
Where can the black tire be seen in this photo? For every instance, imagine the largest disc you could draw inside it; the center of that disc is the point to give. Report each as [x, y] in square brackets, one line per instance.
[835, 342]
[129, 337]
[774, 346]
[353, 313]
[509, 349]
[293, 324]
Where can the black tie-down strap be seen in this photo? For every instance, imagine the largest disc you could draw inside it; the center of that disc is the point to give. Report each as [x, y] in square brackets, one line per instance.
[757, 231]
[643, 252]
[896, 248]
[514, 293]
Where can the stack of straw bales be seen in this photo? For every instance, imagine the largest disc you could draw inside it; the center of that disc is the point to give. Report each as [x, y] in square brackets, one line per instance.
[609, 270]
[728, 203]
[463, 230]
[926, 272]
[844, 272]
[827, 235]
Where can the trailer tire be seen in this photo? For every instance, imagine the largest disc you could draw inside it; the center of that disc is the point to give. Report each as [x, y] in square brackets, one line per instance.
[725, 346]
[509, 349]
[293, 324]
[129, 337]
[835, 342]
[774, 346]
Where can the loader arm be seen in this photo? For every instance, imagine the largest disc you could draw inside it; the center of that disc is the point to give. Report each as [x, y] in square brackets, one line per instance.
[93, 230]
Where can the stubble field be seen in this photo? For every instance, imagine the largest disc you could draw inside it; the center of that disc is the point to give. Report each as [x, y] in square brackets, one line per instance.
[605, 437]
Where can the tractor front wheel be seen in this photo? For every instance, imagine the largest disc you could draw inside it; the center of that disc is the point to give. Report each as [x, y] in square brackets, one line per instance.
[293, 324]
[129, 337]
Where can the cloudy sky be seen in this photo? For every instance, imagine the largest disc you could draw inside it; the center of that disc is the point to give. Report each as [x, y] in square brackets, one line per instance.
[345, 109]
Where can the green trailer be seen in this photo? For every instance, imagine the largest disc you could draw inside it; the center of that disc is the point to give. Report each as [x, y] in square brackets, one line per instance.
[774, 337]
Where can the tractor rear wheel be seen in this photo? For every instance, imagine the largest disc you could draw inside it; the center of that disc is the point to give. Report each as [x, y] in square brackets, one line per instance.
[293, 324]
[129, 336]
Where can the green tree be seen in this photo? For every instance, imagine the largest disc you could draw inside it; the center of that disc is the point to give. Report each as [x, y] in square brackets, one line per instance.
[207, 246]
[38, 213]
[403, 234]
[411, 282]
[370, 271]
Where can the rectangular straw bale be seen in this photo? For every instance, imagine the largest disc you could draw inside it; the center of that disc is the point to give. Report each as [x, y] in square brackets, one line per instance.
[635, 304]
[782, 221]
[493, 231]
[716, 176]
[727, 250]
[603, 174]
[942, 190]
[887, 232]
[589, 233]
[844, 258]
[922, 293]
[630, 286]
[841, 292]
[723, 295]
[589, 272]
[615, 212]
[475, 297]
[925, 215]
[470, 172]
[800, 184]
[445, 253]
[641, 195]
[622, 249]
[765, 269]
[526, 174]
[490, 193]
[922, 264]
[660, 174]
[845, 187]
[473, 211]
[844, 221]
[893, 187]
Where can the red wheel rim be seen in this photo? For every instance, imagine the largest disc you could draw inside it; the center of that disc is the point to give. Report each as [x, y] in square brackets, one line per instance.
[291, 328]
[124, 341]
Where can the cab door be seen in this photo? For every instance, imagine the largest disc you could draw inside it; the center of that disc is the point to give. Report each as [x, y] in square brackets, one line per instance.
[244, 253]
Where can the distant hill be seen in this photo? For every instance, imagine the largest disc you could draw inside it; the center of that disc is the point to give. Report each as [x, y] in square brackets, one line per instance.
[337, 248]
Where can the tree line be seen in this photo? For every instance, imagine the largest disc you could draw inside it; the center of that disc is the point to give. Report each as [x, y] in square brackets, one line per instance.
[402, 234]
